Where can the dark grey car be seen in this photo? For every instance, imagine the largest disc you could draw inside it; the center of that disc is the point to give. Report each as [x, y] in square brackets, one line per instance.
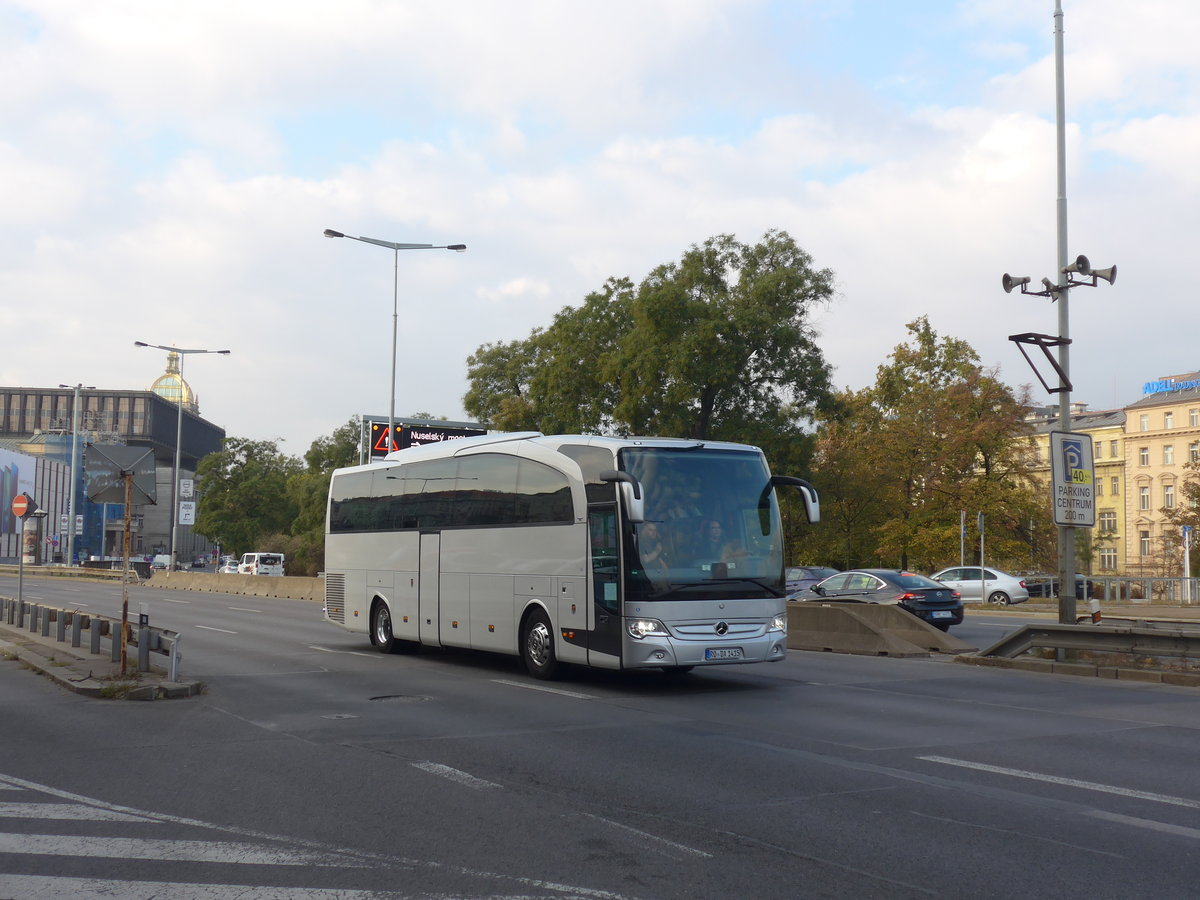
[925, 598]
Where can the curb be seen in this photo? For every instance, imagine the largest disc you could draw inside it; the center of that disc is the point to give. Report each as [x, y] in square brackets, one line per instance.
[1051, 667]
[91, 676]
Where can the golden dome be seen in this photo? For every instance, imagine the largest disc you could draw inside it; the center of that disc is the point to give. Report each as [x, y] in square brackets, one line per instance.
[171, 386]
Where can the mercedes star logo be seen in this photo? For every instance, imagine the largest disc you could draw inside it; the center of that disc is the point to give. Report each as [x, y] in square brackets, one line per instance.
[722, 628]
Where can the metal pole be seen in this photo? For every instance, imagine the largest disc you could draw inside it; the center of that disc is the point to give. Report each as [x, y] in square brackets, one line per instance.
[175, 480]
[74, 478]
[1066, 533]
[395, 301]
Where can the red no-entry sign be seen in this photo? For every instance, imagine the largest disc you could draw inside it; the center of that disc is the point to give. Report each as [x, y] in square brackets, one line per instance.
[23, 506]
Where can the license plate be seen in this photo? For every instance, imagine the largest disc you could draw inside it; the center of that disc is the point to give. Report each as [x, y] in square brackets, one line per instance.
[943, 614]
[723, 653]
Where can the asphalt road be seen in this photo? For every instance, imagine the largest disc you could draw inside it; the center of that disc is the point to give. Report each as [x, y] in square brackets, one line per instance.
[315, 767]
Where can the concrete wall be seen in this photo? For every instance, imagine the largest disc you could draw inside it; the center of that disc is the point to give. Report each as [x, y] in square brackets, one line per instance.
[293, 587]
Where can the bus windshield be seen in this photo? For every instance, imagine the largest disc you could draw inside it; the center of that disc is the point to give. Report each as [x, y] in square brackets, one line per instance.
[711, 528]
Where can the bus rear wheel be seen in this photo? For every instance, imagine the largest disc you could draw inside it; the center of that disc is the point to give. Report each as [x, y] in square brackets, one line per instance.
[381, 628]
[537, 646]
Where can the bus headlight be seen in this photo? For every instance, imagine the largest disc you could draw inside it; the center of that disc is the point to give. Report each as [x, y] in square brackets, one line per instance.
[644, 628]
[779, 623]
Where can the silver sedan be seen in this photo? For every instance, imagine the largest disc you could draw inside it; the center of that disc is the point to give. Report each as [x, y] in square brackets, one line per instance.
[975, 584]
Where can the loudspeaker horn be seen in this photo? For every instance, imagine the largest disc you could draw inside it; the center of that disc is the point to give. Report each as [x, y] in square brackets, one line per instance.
[1081, 265]
[1109, 274]
[1009, 282]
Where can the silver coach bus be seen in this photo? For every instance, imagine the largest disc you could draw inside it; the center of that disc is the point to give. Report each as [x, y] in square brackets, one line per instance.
[621, 553]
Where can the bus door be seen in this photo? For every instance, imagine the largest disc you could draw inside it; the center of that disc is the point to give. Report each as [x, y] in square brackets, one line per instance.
[604, 641]
[429, 588]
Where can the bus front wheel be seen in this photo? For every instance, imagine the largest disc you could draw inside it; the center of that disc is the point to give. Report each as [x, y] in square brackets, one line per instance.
[381, 629]
[537, 646]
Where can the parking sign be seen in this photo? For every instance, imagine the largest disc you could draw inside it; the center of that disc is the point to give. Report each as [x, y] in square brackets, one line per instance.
[1073, 481]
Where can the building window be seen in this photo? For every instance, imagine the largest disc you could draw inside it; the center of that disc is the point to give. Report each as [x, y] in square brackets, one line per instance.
[1194, 418]
[1108, 521]
[1116, 485]
[1144, 422]
[1168, 420]
[1169, 496]
[1143, 498]
[1168, 454]
[1143, 456]
[1144, 543]
[1112, 449]
[1108, 559]
[1099, 487]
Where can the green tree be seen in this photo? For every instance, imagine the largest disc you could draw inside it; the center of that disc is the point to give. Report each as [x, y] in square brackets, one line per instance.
[897, 463]
[244, 494]
[308, 492]
[718, 345]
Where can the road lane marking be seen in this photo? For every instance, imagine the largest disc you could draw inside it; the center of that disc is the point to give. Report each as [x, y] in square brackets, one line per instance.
[691, 851]
[545, 689]
[46, 887]
[239, 852]
[71, 811]
[244, 609]
[346, 652]
[210, 628]
[171, 600]
[1067, 782]
[455, 775]
[98, 889]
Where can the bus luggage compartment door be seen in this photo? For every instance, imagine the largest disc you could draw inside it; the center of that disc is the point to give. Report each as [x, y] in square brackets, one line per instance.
[428, 588]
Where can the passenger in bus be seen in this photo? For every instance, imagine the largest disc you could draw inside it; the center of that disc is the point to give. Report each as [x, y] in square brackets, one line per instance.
[653, 552]
[711, 544]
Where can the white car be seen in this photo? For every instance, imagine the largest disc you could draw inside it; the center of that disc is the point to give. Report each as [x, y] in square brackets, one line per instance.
[976, 585]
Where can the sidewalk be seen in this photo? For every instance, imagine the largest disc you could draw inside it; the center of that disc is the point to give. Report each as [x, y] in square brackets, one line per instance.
[78, 670]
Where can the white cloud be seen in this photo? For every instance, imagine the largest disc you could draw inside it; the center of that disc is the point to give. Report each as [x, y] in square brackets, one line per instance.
[168, 170]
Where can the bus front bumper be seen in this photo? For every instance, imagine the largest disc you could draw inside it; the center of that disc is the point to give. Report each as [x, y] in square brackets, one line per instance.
[657, 652]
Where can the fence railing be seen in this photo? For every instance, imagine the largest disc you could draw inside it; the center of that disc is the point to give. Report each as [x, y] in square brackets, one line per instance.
[1125, 589]
[103, 634]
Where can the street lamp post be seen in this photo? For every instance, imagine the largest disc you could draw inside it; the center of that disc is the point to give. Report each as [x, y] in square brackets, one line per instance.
[71, 509]
[396, 248]
[178, 439]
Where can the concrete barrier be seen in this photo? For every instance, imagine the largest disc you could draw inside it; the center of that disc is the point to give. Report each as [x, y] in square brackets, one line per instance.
[868, 629]
[285, 586]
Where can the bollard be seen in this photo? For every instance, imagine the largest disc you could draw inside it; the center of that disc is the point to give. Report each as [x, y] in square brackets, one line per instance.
[115, 631]
[94, 636]
[34, 610]
[76, 629]
[20, 613]
[1094, 609]
[47, 615]
[60, 630]
[174, 657]
[143, 646]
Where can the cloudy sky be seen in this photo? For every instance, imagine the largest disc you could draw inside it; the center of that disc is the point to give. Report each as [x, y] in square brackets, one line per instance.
[168, 170]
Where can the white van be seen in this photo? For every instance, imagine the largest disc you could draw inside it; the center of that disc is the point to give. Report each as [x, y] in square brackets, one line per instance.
[261, 564]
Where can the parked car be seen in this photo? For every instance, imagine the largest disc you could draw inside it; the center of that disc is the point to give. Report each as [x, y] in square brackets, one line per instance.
[1047, 586]
[989, 584]
[800, 577]
[935, 603]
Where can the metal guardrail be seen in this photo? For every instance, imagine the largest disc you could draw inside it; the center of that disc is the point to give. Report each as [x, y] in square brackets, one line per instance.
[1132, 636]
[69, 626]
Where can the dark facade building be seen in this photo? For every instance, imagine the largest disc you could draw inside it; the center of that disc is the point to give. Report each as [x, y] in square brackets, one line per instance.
[38, 422]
